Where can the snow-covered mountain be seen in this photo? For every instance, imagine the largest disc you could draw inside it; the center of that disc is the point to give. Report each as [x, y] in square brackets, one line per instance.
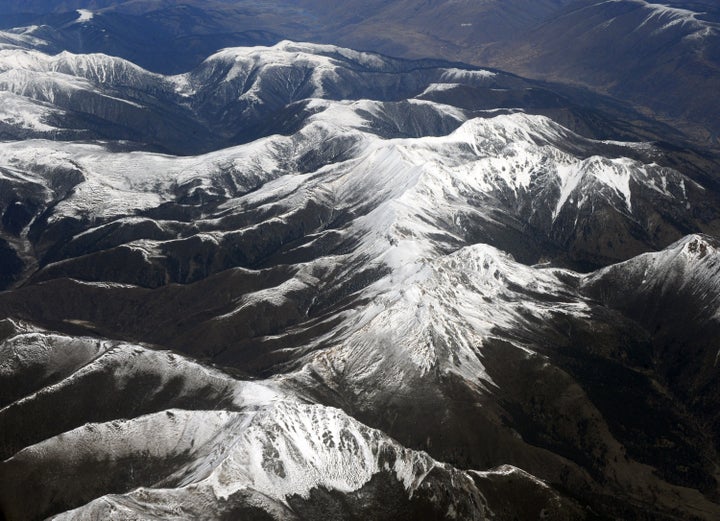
[492, 179]
[672, 294]
[660, 55]
[239, 94]
[205, 444]
[370, 286]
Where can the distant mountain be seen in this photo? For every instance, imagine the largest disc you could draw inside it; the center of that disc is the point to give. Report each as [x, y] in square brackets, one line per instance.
[660, 56]
[69, 96]
[663, 58]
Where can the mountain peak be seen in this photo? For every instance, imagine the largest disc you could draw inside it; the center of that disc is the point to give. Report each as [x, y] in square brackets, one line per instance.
[697, 246]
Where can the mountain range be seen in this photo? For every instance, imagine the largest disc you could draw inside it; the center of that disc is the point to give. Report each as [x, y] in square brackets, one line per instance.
[300, 281]
[662, 57]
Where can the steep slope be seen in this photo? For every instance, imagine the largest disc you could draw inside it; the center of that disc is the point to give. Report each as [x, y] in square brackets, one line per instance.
[69, 96]
[509, 174]
[258, 453]
[666, 292]
[74, 96]
[333, 317]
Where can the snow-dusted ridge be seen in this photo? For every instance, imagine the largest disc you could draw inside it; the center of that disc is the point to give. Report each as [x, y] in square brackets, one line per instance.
[100, 69]
[20, 112]
[424, 190]
[692, 264]
[287, 50]
[71, 361]
[21, 38]
[434, 316]
[282, 451]
[675, 17]
[119, 184]
[234, 84]
[267, 443]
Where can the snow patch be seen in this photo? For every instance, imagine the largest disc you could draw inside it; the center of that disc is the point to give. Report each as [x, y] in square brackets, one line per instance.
[292, 448]
[455, 75]
[671, 17]
[85, 15]
[19, 111]
[439, 87]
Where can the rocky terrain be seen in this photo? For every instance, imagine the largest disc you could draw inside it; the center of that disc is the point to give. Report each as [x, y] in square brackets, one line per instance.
[300, 281]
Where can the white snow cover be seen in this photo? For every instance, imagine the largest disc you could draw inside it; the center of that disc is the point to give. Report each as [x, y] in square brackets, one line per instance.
[691, 264]
[466, 75]
[344, 114]
[118, 184]
[263, 440]
[49, 353]
[432, 176]
[671, 17]
[429, 315]
[416, 189]
[30, 67]
[293, 448]
[510, 470]
[58, 78]
[71, 359]
[22, 112]
[286, 51]
[43, 87]
[159, 435]
[97, 67]
[324, 60]
[416, 192]
[281, 450]
[439, 87]
[434, 314]
[21, 38]
[615, 173]
[85, 15]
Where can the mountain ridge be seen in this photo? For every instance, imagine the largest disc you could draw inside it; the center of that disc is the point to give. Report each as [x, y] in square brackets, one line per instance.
[626, 49]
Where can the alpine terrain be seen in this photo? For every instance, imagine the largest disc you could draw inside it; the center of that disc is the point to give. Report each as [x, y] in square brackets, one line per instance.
[297, 281]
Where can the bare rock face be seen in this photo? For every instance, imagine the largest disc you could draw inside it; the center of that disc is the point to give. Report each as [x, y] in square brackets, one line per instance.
[370, 289]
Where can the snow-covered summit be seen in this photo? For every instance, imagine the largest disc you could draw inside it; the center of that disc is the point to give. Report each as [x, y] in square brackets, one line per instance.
[99, 68]
[691, 253]
[687, 269]
[675, 16]
[433, 316]
[285, 51]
